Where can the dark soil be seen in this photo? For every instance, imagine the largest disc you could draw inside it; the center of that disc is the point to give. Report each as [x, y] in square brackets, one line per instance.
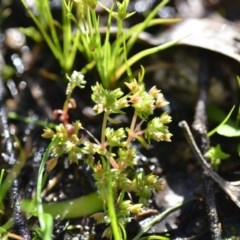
[31, 93]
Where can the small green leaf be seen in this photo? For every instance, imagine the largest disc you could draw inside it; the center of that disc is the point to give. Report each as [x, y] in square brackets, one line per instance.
[216, 155]
[222, 123]
[228, 131]
[32, 33]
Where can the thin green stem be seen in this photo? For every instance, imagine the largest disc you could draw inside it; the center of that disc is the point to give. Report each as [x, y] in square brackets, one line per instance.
[155, 237]
[125, 50]
[141, 55]
[70, 39]
[73, 52]
[10, 177]
[42, 123]
[145, 24]
[132, 127]
[82, 39]
[102, 56]
[118, 44]
[65, 105]
[55, 49]
[46, 11]
[45, 220]
[90, 20]
[110, 194]
[67, 36]
[111, 209]
[104, 125]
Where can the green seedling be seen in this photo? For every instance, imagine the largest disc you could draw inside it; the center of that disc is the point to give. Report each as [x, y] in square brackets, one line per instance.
[216, 155]
[112, 157]
[64, 46]
[80, 31]
[226, 128]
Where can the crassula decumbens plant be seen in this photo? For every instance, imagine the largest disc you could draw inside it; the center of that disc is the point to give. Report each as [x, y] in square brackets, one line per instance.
[113, 158]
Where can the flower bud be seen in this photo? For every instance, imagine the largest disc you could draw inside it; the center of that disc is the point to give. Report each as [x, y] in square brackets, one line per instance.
[136, 208]
[48, 133]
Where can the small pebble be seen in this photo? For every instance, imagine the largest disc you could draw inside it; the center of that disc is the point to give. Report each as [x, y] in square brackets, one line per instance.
[14, 39]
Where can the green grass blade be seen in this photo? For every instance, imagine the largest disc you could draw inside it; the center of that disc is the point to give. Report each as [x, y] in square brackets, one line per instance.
[45, 219]
[222, 123]
[141, 55]
[145, 24]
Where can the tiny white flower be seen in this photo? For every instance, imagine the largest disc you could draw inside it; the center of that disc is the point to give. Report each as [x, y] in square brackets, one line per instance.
[75, 80]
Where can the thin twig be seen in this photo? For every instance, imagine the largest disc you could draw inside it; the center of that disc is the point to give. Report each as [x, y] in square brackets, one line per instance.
[231, 188]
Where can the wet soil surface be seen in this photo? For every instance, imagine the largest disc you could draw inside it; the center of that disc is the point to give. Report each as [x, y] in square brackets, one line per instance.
[31, 93]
